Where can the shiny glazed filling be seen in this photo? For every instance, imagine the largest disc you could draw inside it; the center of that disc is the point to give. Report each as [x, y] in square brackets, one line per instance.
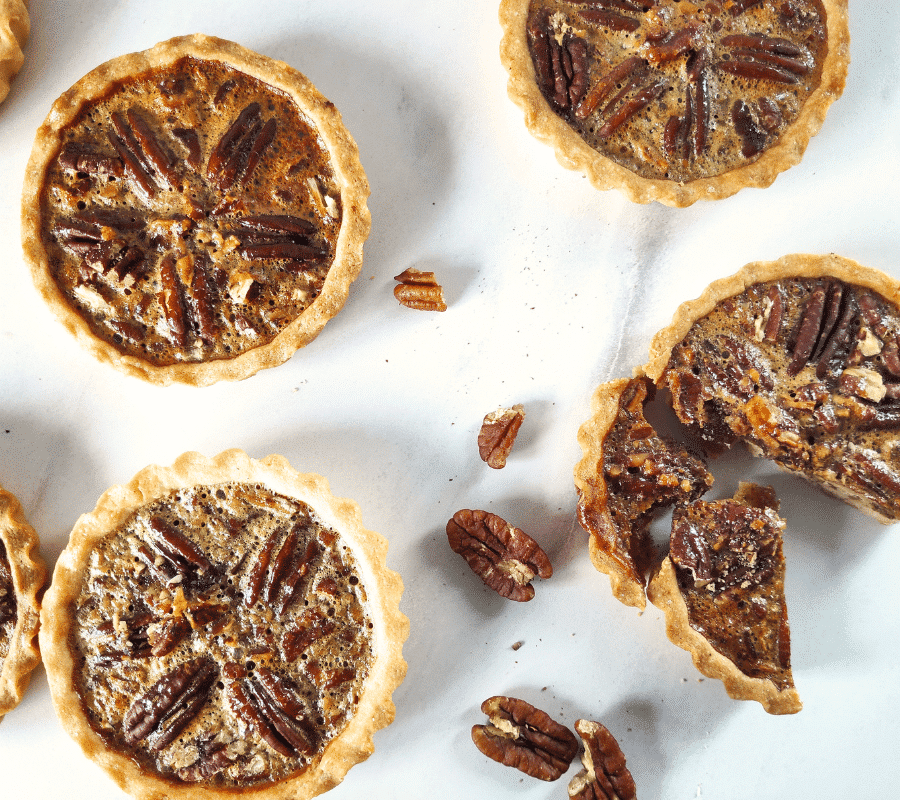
[807, 372]
[678, 90]
[730, 568]
[192, 214]
[221, 636]
[7, 605]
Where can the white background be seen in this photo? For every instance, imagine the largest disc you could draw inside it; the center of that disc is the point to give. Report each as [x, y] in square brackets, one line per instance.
[553, 287]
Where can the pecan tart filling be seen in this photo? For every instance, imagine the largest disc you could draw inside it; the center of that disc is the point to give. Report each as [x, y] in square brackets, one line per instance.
[15, 25]
[627, 476]
[22, 577]
[722, 589]
[672, 100]
[224, 625]
[194, 212]
[799, 359]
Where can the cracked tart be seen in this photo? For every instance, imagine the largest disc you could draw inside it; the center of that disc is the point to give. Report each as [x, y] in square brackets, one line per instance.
[671, 100]
[224, 626]
[22, 578]
[194, 212]
[15, 25]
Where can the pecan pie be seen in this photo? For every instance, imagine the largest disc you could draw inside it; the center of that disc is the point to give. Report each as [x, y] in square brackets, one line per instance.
[722, 590]
[14, 29]
[800, 359]
[224, 626]
[22, 576]
[672, 100]
[194, 212]
[627, 475]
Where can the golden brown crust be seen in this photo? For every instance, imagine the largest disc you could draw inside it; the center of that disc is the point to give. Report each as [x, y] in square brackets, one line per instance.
[14, 29]
[29, 575]
[383, 588]
[574, 153]
[349, 176]
[791, 266]
[664, 593]
[593, 491]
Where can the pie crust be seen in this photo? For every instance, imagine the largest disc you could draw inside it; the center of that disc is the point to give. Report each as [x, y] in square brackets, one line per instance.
[838, 480]
[338, 538]
[22, 566]
[14, 29]
[184, 233]
[638, 144]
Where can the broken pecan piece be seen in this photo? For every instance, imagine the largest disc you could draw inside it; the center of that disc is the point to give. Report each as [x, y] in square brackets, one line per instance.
[498, 434]
[504, 557]
[605, 776]
[522, 736]
[419, 290]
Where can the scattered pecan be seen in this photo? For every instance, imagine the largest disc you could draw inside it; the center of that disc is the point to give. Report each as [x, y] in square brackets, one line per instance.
[498, 434]
[167, 707]
[605, 776]
[419, 290]
[179, 551]
[504, 557]
[522, 736]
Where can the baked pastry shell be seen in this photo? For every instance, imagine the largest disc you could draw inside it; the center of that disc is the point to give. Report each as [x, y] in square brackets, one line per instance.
[664, 593]
[15, 26]
[574, 153]
[349, 176]
[29, 575]
[383, 590]
[593, 492]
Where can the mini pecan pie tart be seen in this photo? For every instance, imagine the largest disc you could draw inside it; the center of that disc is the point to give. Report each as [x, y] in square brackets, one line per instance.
[800, 359]
[14, 29]
[629, 474]
[22, 576]
[224, 626]
[672, 100]
[194, 212]
[722, 590]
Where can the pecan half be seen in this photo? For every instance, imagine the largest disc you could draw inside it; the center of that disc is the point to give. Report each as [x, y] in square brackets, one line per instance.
[522, 736]
[504, 557]
[419, 290]
[605, 776]
[498, 434]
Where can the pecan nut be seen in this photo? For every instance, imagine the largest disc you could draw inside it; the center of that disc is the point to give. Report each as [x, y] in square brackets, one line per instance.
[419, 290]
[504, 557]
[605, 776]
[522, 736]
[498, 434]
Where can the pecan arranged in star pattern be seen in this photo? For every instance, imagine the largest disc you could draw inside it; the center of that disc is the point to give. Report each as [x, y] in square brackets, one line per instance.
[504, 557]
[622, 72]
[498, 434]
[419, 290]
[522, 736]
[605, 776]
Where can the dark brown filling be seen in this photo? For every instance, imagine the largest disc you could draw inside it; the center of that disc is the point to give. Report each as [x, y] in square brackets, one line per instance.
[676, 90]
[730, 568]
[644, 474]
[8, 604]
[221, 636]
[192, 214]
[807, 371]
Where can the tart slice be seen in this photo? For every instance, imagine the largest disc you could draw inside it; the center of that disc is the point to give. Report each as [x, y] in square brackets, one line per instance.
[800, 359]
[15, 26]
[722, 590]
[22, 577]
[675, 101]
[627, 475]
[194, 212]
[224, 626]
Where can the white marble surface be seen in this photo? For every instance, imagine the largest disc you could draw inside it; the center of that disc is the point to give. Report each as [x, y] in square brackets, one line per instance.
[553, 287]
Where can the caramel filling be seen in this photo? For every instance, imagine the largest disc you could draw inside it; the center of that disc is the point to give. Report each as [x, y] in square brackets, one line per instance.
[8, 605]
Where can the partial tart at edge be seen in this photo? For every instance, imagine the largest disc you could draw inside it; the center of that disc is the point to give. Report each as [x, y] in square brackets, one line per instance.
[15, 26]
[245, 697]
[651, 52]
[194, 243]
